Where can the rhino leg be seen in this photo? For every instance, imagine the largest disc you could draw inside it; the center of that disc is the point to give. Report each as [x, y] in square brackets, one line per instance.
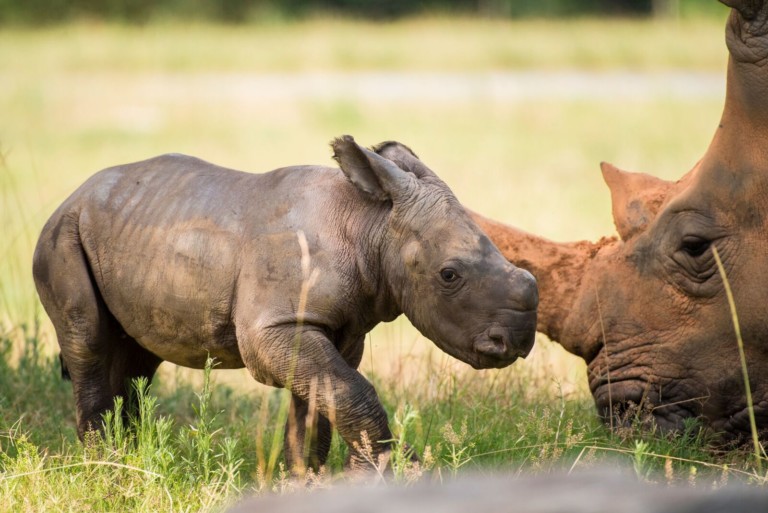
[100, 376]
[303, 428]
[129, 361]
[319, 437]
[95, 351]
[317, 373]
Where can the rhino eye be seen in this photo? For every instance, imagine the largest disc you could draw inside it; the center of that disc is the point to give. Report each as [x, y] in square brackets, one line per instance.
[695, 246]
[449, 275]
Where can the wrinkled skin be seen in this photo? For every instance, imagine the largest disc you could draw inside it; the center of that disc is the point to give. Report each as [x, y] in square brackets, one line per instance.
[648, 312]
[176, 259]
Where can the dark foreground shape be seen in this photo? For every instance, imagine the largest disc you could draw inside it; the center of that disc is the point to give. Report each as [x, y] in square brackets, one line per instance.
[598, 492]
[284, 273]
[648, 312]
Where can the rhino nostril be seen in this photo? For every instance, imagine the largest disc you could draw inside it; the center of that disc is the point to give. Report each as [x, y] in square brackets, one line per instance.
[498, 335]
[494, 343]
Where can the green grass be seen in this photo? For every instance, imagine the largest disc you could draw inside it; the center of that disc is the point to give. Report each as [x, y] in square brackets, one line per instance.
[198, 448]
[428, 43]
[79, 98]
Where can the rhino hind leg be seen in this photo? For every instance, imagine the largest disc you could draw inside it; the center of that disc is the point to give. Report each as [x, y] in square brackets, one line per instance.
[129, 361]
[103, 375]
[96, 354]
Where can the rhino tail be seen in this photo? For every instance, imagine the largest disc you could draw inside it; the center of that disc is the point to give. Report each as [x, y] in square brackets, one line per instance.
[64, 369]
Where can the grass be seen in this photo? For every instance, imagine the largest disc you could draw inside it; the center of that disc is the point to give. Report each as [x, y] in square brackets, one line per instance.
[421, 44]
[195, 448]
[79, 98]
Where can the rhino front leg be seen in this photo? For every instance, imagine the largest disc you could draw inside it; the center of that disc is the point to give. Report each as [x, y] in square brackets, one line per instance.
[307, 437]
[308, 364]
[306, 426]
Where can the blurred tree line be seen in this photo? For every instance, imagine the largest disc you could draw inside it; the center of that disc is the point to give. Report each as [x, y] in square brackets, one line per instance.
[238, 11]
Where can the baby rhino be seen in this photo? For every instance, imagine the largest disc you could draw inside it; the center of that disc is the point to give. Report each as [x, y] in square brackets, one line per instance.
[284, 273]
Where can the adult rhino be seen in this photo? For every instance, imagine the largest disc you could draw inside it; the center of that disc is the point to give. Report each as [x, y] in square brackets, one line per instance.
[177, 259]
[648, 312]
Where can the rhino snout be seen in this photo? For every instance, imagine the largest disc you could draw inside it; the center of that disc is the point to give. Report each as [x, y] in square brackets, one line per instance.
[508, 344]
[524, 291]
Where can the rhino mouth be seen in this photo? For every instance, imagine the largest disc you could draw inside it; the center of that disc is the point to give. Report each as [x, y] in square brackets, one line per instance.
[735, 426]
[636, 403]
[501, 345]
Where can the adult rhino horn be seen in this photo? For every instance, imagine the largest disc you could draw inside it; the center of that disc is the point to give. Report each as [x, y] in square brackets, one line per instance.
[747, 8]
[636, 198]
[558, 268]
[735, 148]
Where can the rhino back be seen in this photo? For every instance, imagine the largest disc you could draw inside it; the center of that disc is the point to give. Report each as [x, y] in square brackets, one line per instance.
[168, 240]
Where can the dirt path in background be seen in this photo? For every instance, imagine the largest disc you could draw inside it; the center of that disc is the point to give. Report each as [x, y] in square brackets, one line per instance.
[503, 87]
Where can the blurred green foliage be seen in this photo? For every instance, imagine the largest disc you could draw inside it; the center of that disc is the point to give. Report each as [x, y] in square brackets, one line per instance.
[239, 11]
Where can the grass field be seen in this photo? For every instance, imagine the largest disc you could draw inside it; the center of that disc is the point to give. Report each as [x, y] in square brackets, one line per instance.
[79, 98]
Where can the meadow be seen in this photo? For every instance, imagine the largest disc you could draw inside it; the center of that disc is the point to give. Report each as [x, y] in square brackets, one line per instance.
[81, 97]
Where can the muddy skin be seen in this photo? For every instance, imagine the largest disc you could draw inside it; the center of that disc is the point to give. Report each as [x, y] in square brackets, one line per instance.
[647, 311]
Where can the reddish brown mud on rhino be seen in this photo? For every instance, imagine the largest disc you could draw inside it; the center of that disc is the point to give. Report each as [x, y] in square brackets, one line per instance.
[648, 311]
[284, 273]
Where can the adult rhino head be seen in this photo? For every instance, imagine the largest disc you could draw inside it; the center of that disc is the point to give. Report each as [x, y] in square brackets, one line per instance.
[648, 311]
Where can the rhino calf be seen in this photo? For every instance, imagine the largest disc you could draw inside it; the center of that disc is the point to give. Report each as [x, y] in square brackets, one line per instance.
[177, 259]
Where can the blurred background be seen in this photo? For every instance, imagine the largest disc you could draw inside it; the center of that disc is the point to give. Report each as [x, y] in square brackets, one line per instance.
[240, 11]
[514, 103]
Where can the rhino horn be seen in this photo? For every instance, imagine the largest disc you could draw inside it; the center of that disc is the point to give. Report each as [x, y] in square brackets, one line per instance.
[636, 198]
[745, 115]
[557, 267]
[747, 8]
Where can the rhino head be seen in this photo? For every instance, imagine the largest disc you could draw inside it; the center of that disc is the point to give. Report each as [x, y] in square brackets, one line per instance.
[442, 271]
[648, 310]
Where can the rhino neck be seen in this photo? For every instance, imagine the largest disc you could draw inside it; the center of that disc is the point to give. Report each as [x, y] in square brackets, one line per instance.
[558, 267]
[368, 244]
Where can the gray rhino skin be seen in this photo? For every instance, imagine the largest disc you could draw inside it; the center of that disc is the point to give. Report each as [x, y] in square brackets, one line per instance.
[177, 259]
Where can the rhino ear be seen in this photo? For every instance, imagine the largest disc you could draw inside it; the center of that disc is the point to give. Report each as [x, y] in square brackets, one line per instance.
[373, 174]
[405, 159]
[636, 198]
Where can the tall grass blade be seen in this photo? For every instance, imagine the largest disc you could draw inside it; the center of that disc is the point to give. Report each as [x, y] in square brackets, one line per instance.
[309, 278]
[740, 342]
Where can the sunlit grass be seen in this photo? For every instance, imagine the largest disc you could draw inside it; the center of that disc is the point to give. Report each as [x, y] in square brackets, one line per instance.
[421, 44]
[195, 446]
